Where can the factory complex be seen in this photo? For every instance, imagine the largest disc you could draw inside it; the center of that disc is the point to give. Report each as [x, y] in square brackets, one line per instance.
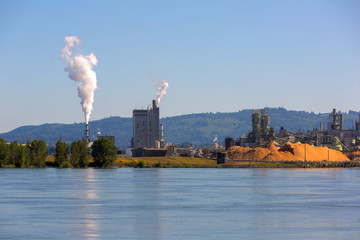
[262, 143]
[318, 145]
[335, 136]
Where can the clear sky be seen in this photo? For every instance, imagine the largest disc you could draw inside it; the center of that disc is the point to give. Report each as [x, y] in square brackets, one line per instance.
[217, 56]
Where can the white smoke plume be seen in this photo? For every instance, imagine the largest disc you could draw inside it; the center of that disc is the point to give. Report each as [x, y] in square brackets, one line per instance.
[215, 139]
[162, 90]
[80, 70]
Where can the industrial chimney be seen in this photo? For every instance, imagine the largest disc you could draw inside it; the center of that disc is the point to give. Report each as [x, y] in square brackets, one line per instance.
[154, 104]
[87, 133]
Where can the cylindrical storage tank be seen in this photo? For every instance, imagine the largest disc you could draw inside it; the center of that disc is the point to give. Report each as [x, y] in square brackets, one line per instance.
[229, 142]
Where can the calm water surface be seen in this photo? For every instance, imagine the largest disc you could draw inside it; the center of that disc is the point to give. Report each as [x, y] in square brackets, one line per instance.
[179, 204]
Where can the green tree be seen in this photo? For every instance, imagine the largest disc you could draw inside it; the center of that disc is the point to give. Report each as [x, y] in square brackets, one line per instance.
[79, 154]
[4, 152]
[25, 156]
[75, 154]
[61, 153]
[66, 164]
[84, 154]
[20, 155]
[159, 164]
[104, 152]
[141, 164]
[14, 156]
[38, 153]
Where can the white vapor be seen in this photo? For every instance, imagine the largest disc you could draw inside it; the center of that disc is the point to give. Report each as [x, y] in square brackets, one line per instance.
[162, 91]
[215, 139]
[79, 68]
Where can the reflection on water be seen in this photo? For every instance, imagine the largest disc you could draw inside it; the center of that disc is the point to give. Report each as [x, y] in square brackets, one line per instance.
[179, 203]
[146, 195]
[90, 219]
[90, 227]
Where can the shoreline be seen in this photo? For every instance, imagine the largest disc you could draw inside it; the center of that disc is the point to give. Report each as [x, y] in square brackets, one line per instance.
[188, 162]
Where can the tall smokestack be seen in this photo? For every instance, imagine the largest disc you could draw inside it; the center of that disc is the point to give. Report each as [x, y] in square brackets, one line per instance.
[154, 104]
[87, 133]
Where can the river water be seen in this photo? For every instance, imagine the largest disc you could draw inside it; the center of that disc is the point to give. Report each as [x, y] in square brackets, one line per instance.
[179, 203]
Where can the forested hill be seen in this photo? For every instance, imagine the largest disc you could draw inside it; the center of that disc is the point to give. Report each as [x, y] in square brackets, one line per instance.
[198, 129]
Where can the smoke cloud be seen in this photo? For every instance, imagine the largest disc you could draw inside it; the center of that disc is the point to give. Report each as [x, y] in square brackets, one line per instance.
[162, 91]
[79, 68]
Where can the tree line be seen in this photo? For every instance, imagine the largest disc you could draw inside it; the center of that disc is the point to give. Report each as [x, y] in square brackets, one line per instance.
[77, 155]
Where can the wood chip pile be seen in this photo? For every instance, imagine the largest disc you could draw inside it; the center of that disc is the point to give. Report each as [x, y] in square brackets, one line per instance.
[288, 152]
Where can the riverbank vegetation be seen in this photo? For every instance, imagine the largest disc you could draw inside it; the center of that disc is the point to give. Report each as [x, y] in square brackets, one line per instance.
[34, 154]
[23, 155]
[103, 154]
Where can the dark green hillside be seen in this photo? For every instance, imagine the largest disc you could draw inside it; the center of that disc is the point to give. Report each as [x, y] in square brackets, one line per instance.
[199, 128]
[119, 127]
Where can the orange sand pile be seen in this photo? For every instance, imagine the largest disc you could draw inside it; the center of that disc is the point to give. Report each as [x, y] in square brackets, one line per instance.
[289, 152]
[313, 153]
[280, 156]
[246, 153]
[271, 146]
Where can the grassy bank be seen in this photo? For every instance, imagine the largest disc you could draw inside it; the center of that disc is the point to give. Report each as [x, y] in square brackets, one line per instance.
[165, 162]
[273, 165]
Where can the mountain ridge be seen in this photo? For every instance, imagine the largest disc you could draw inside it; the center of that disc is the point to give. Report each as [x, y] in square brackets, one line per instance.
[197, 128]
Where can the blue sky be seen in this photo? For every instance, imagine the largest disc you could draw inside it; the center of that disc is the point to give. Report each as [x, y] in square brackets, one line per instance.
[217, 56]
